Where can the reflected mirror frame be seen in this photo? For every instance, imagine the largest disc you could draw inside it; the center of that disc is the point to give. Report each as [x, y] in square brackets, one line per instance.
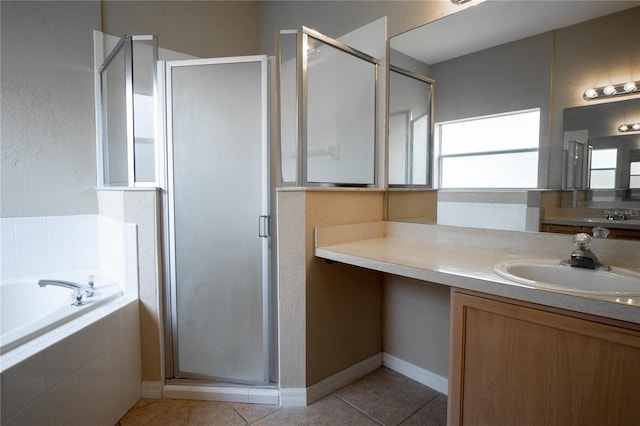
[302, 66]
[430, 149]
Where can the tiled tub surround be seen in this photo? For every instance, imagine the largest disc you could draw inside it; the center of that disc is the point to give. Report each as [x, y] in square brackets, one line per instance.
[85, 370]
[464, 258]
[35, 246]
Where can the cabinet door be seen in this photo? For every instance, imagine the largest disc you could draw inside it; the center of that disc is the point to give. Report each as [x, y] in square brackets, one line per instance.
[515, 365]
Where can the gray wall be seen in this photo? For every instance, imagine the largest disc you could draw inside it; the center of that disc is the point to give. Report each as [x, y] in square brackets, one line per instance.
[199, 28]
[335, 18]
[48, 125]
[510, 77]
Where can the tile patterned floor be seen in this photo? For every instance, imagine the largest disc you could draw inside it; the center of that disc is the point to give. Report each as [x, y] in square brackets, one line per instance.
[383, 397]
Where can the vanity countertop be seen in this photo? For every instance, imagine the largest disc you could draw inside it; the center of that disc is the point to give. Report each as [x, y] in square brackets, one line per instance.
[593, 221]
[457, 258]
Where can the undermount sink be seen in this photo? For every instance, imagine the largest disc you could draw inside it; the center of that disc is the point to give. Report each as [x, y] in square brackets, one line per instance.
[550, 274]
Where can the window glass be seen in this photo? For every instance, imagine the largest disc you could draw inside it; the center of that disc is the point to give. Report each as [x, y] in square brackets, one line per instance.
[634, 179]
[603, 158]
[603, 168]
[499, 151]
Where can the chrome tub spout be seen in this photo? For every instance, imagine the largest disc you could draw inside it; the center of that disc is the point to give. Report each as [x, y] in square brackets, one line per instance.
[86, 288]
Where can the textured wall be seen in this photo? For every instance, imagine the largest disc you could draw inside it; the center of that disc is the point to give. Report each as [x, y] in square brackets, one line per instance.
[343, 303]
[48, 124]
[199, 28]
[330, 314]
[416, 322]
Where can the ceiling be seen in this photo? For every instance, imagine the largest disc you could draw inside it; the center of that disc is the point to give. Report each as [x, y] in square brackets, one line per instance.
[493, 22]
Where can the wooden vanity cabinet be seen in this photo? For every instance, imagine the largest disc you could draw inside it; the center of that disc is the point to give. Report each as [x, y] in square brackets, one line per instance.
[514, 363]
[614, 233]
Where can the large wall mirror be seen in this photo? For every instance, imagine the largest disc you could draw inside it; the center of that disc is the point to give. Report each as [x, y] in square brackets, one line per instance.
[602, 152]
[504, 74]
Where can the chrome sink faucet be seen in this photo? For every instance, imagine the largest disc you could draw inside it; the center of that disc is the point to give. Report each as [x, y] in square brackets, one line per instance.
[582, 256]
[78, 289]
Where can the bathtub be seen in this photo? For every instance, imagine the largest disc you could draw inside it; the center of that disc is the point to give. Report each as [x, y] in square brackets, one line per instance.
[28, 310]
[67, 364]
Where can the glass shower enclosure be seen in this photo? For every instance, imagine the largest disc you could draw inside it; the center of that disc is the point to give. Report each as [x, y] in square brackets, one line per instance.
[127, 152]
[218, 207]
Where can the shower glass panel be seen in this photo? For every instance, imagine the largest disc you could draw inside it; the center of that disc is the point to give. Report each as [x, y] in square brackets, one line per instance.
[144, 90]
[218, 196]
[287, 72]
[116, 81]
[340, 113]
[127, 105]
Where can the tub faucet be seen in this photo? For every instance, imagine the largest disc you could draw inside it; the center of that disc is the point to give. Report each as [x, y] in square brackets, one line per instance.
[76, 287]
[582, 256]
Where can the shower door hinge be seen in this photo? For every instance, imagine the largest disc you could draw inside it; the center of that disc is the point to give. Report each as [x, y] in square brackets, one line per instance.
[263, 226]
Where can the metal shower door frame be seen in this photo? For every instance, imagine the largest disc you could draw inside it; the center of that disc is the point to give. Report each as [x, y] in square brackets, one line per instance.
[262, 225]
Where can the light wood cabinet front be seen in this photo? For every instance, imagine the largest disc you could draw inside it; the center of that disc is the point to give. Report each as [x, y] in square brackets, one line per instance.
[520, 365]
[614, 233]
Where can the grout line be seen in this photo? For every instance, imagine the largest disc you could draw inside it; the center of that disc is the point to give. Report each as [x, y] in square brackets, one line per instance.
[358, 409]
[256, 420]
[421, 407]
[239, 413]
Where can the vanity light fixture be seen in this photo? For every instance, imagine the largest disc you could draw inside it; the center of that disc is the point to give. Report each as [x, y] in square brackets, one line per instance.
[628, 88]
[458, 2]
[633, 127]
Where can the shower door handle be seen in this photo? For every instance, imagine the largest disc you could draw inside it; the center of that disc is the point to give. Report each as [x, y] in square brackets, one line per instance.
[263, 226]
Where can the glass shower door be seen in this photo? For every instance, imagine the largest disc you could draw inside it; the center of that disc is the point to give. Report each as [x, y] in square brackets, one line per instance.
[218, 215]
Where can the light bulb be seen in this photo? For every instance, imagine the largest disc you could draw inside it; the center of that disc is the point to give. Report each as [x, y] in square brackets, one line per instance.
[630, 86]
[609, 90]
[635, 126]
[590, 94]
[623, 128]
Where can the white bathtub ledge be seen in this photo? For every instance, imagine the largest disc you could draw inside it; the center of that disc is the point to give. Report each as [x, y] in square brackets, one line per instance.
[13, 357]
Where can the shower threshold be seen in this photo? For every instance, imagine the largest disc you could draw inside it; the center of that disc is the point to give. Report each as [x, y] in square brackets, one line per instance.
[202, 390]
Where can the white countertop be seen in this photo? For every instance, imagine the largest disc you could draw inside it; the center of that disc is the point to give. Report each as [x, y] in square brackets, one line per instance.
[456, 265]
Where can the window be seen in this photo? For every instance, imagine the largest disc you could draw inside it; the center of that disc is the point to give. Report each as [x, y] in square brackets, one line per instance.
[498, 151]
[603, 168]
[634, 178]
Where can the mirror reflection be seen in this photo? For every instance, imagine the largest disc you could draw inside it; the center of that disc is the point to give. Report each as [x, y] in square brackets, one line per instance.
[410, 128]
[502, 60]
[603, 151]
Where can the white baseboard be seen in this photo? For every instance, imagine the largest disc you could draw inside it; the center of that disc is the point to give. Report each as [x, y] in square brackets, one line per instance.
[342, 378]
[293, 397]
[296, 397]
[302, 397]
[152, 390]
[248, 395]
[420, 375]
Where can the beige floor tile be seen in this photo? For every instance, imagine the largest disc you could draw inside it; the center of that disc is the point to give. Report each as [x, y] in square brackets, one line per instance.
[387, 396]
[170, 412]
[432, 414]
[382, 397]
[204, 413]
[328, 411]
[254, 412]
[177, 412]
